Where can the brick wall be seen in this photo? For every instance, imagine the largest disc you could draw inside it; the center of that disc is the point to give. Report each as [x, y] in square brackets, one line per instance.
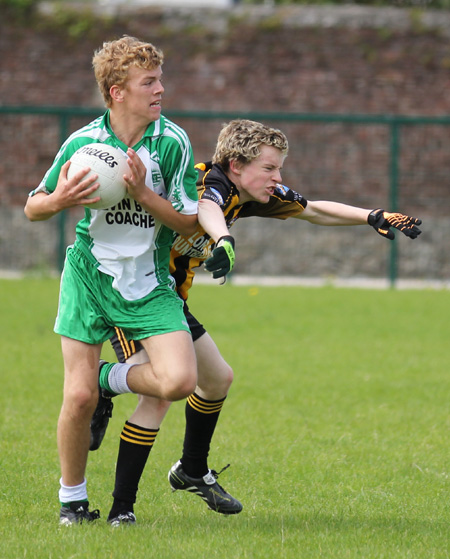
[286, 59]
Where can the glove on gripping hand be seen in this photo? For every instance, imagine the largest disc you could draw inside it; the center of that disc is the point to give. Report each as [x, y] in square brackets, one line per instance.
[382, 221]
[222, 260]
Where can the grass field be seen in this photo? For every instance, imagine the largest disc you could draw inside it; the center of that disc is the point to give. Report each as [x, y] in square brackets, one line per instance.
[336, 428]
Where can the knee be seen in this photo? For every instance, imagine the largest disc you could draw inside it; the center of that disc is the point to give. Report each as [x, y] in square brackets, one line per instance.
[179, 388]
[216, 386]
[225, 380]
[229, 377]
[80, 401]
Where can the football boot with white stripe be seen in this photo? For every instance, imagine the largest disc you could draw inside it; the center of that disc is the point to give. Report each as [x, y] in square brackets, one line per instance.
[205, 487]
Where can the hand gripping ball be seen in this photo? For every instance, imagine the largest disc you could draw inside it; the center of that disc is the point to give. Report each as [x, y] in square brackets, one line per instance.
[110, 164]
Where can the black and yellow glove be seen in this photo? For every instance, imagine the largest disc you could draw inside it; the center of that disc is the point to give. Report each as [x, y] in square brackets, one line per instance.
[222, 260]
[382, 222]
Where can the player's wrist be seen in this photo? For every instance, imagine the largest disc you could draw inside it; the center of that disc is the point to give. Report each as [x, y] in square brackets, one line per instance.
[373, 216]
[226, 238]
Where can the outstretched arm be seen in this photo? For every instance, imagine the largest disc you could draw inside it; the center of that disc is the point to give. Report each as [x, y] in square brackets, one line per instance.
[335, 213]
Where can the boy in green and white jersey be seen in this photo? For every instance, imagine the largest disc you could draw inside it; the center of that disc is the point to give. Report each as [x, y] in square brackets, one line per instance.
[117, 271]
[166, 153]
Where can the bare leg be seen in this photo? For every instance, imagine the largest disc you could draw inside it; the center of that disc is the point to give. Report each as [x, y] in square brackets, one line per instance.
[172, 371]
[214, 374]
[204, 406]
[136, 442]
[202, 411]
[80, 399]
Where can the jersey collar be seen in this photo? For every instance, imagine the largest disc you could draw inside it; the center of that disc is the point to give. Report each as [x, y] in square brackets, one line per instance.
[154, 129]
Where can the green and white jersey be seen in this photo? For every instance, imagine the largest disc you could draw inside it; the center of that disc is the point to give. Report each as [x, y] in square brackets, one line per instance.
[125, 241]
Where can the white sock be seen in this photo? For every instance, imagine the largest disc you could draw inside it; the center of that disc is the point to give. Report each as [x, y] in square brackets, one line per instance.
[117, 378]
[68, 494]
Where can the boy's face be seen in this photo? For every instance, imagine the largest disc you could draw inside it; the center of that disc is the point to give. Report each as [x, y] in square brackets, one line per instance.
[143, 92]
[257, 180]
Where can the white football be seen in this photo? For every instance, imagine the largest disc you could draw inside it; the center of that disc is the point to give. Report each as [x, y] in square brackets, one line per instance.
[110, 164]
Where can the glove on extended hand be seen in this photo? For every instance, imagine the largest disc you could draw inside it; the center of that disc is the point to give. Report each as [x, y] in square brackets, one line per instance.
[222, 260]
[382, 221]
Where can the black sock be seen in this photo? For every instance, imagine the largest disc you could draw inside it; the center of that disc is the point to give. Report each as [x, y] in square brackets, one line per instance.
[135, 446]
[201, 420]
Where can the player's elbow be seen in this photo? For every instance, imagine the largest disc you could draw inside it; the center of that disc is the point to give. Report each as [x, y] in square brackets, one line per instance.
[33, 216]
[29, 213]
[36, 210]
[189, 225]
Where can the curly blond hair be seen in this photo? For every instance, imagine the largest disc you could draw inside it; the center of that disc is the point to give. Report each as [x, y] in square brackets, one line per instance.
[240, 140]
[112, 62]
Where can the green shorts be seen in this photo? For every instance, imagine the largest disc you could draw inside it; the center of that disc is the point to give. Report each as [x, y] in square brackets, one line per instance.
[89, 307]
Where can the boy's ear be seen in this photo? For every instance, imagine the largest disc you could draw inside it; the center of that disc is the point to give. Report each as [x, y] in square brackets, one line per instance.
[235, 166]
[116, 93]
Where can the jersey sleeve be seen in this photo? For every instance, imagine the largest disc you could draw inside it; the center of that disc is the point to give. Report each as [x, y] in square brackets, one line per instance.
[50, 180]
[216, 188]
[179, 173]
[283, 203]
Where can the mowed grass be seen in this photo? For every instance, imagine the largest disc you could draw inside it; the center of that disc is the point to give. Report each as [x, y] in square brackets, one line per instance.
[336, 428]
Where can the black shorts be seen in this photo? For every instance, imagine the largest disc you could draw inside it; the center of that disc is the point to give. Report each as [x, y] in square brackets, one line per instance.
[124, 348]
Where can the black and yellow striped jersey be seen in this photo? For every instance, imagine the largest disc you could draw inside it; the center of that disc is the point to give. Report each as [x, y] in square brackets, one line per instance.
[188, 253]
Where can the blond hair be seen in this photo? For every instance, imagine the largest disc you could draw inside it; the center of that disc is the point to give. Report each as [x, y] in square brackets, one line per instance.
[112, 62]
[240, 140]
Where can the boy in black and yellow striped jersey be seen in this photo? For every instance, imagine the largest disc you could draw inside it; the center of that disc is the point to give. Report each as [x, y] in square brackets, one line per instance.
[243, 180]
